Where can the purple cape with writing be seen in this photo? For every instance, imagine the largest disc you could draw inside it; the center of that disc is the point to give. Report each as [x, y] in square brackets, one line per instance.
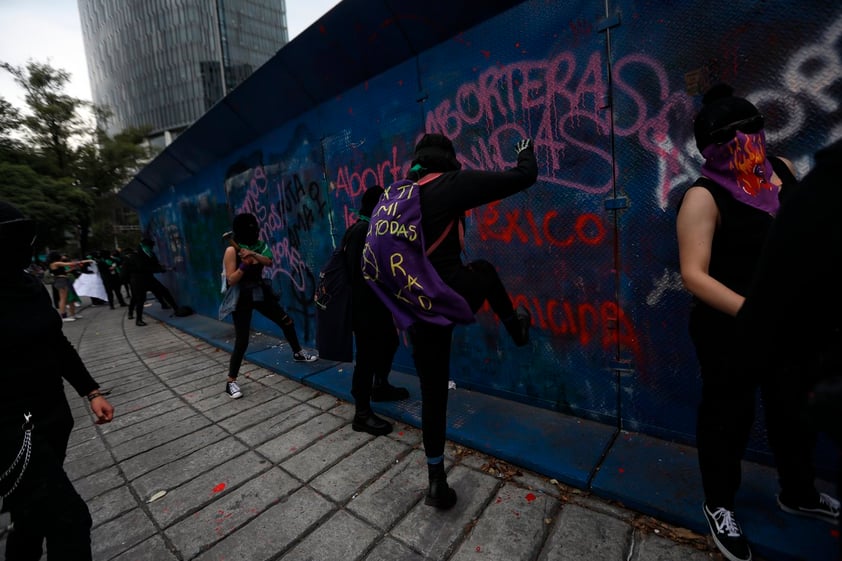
[395, 263]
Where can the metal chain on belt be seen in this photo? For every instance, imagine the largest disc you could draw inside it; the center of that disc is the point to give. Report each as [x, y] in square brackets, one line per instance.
[23, 454]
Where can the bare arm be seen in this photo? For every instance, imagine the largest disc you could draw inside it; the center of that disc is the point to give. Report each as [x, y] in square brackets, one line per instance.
[695, 227]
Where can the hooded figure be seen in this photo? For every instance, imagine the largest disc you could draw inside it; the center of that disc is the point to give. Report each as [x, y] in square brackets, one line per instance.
[246, 229]
[452, 291]
[35, 418]
[729, 134]
[723, 222]
[243, 268]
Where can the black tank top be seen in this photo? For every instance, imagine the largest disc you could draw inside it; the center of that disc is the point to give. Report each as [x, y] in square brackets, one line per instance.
[740, 234]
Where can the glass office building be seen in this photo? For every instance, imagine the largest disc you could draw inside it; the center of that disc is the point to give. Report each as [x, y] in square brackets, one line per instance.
[163, 63]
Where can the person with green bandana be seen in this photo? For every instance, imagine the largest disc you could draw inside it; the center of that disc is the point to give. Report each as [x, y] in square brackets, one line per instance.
[243, 267]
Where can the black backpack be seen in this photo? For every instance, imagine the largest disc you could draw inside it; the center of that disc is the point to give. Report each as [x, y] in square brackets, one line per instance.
[334, 329]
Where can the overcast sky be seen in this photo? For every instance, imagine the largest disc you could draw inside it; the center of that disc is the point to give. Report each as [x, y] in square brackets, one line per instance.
[50, 31]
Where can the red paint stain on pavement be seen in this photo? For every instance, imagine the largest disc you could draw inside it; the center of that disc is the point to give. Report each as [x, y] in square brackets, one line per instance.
[479, 548]
[499, 500]
[621, 470]
[219, 487]
[530, 497]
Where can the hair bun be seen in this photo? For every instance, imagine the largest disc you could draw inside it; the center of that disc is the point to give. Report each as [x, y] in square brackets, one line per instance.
[718, 91]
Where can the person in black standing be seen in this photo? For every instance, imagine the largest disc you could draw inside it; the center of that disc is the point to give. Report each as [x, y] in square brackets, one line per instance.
[374, 331]
[142, 267]
[792, 342]
[723, 221]
[446, 194]
[107, 267]
[35, 418]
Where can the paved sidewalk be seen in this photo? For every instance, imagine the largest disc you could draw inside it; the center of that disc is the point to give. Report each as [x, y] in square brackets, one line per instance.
[184, 472]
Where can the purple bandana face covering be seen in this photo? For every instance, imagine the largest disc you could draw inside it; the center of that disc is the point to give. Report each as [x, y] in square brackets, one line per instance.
[741, 166]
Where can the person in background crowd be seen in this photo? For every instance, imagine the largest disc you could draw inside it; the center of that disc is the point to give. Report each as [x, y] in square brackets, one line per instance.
[446, 194]
[62, 269]
[723, 221]
[374, 331]
[244, 268]
[142, 266]
[35, 418]
[120, 258]
[107, 266]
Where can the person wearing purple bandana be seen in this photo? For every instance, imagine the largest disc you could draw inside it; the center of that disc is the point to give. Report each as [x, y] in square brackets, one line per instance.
[722, 223]
[446, 193]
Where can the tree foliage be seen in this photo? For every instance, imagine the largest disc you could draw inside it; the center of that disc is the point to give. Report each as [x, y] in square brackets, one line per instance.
[57, 167]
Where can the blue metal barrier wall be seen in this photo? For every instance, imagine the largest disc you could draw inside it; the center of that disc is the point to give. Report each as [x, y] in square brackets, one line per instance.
[608, 96]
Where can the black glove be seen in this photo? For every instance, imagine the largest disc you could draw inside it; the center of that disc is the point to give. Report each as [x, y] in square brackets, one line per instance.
[523, 145]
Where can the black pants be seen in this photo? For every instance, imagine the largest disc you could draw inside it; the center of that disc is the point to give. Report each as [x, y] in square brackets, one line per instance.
[270, 309]
[431, 353]
[45, 505]
[477, 282]
[141, 284]
[112, 289]
[377, 342]
[726, 415]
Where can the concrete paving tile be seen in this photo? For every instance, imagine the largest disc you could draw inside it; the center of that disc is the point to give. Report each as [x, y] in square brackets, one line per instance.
[347, 477]
[173, 431]
[146, 401]
[326, 452]
[305, 393]
[254, 396]
[190, 466]
[254, 415]
[111, 504]
[159, 422]
[124, 397]
[124, 419]
[274, 530]
[391, 550]
[404, 433]
[281, 423]
[389, 497]
[82, 433]
[197, 492]
[651, 547]
[85, 449]
[87, 465]
[326, 402]
[342, 536]
[298, 438]
[121, 534]
[223, 516]
[136, 466]
[436, 533]
[512, 527]
[580, 533]
[153, 549]
[99, 482]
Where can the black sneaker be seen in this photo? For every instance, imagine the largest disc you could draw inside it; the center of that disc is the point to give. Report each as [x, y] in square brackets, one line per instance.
[304, 356]
[233, 390]
[824, 507]
[727, 534]
[518, 326]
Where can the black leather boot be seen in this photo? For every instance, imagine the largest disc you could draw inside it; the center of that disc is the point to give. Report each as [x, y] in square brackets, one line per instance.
[366, 421]
[518, 326]
[440, 495]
